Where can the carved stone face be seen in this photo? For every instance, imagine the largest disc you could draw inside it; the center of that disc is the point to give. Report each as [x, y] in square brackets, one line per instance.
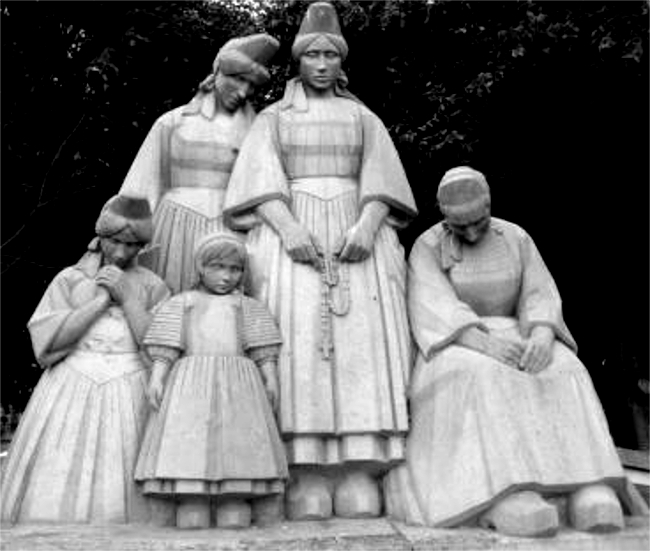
[470, 227]
[320, 66]
[119, 250]
[232, 90]
[222, 275]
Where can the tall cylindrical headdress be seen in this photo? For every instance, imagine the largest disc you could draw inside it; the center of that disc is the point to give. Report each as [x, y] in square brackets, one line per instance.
[319, 21]
[121, 213]
[247, 55]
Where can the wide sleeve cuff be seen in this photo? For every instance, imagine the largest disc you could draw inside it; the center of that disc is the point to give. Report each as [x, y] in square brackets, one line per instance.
[263, 354]
[166, 328]
[382, 177]
[258, 175]
[163, 353]
[259, 327]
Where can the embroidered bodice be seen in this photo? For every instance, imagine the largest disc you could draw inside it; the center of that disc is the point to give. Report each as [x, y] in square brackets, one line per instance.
[488, 278]
[326, 140]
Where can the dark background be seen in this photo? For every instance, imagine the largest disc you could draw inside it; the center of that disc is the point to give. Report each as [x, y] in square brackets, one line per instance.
[548, 99]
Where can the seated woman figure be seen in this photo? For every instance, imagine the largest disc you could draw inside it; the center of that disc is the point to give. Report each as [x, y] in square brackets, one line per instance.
[504, 414]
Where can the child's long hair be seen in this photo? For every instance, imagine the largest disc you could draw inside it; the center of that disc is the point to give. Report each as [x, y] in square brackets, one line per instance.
[221, 246]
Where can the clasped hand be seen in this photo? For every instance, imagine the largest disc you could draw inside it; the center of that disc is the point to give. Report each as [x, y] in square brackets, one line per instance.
[507, 351]
[539, 350]
[532, 356]
[116, 283]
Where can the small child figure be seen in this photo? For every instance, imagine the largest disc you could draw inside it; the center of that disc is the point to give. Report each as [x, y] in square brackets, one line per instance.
[213, 436]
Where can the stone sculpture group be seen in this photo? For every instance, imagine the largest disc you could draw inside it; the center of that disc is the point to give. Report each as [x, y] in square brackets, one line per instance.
[243, 341]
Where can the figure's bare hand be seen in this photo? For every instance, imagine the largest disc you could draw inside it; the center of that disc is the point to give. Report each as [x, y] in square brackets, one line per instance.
[539, 350]
[504, 350]
[273, 392]
[109, 277]
[155, 391]
[356, 245]
[301, 245]
[114, 280]
[271, 384]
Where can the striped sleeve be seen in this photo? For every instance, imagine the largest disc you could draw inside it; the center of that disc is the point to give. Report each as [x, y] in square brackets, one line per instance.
[259, 327]
[166, 328]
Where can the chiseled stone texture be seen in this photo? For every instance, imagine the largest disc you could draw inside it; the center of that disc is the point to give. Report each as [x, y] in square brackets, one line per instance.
[334, 535]
[635, 537]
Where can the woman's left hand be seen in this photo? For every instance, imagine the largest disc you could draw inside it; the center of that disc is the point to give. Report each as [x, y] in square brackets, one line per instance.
[539, 350]
[356, 245]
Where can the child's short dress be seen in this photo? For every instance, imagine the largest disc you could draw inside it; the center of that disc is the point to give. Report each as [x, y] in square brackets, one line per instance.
[215, 433]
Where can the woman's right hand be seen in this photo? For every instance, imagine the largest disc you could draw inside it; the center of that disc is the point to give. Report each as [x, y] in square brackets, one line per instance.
[301, 245]
[119, 286]
[504, 350]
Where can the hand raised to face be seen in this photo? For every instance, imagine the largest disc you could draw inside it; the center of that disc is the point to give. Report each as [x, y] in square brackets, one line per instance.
[115, 281]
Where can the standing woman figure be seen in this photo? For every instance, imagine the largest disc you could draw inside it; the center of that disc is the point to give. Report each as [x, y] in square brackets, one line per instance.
[184, 165]
[73, 455]
[321, 172]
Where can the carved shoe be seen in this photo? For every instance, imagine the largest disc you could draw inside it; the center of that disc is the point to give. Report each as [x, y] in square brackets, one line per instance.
[357, 496]
[193, 513]
[309, 498]
[267, 510]
[233, 513]
[595, 508]
[523, 514]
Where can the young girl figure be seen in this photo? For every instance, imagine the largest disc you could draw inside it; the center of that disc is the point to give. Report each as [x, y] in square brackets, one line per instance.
[212, 443]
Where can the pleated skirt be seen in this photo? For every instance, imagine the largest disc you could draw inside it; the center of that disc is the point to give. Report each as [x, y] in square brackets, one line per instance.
[349, 407]
[74, 452]
[482, 430]
[214, 434]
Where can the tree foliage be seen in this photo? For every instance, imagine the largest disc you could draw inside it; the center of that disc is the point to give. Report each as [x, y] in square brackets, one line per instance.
[548, 99]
